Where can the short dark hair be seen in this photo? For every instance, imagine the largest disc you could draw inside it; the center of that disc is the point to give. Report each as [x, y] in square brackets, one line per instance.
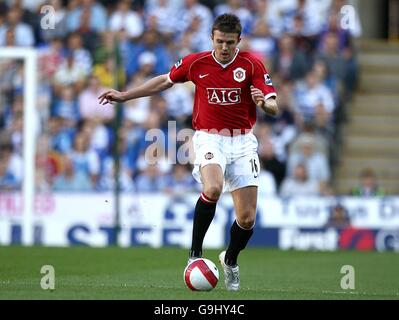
[228, 23]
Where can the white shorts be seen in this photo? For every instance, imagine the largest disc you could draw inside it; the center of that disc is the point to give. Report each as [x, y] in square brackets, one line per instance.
[237, 156]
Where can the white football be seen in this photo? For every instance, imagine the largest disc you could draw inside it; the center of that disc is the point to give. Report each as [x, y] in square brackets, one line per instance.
[201, 275]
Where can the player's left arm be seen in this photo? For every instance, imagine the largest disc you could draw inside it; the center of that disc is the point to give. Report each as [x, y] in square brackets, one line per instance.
[262, 90]
[268, 105]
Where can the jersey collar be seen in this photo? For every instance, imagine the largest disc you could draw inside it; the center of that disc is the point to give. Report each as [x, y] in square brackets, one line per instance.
[227, 64]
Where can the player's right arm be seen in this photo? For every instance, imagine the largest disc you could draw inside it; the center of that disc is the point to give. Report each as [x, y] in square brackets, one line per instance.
[148, 88]
[180, 72]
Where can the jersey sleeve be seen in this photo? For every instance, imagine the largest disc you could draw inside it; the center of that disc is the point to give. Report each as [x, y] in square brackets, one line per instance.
[181, 69]
[262, 80]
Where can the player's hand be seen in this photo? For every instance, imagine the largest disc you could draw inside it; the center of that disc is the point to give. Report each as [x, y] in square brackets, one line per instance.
[257, 96]
[111, 96]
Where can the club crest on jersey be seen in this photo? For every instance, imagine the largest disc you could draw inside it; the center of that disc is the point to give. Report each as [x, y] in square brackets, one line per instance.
[268, 80]
[208, 155]
[239, 74]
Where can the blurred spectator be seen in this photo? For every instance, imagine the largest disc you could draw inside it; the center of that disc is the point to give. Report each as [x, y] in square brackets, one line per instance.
[22, 33]
[86, 163]
[81, 56]
[50, 58]
[61, 134]
[11, 167]
[71, 73]
[278, 14]
[98, 136]
[88, 15]
[309, 134]
[88, 102]
[66, 106]
[368, 184]
[312, 13]
[299, 184]
[106, 48]
[13, 122]
[134, 135]
[149, 43]
[351, 73]
[289, 62]
[60, 24]
[195, 12]
[11, 81]
[334, 25]
[123, 18]
[196, 39]
[314, 101]
[179, 100]
[106, 72]
[89, 19]
[267, 185]
[48, 164]
[180, 181]
[270, 162]
[164, 17]
[16, 131]
[137, 110]
[3, 8]
[283, 125]
[338, 218]
[266, 134]
[30, 5]
[261, 40]
[354, 26]
[332, 56]
[320, 69]
[236, 7]
[72, 179]
[8, 182]
[10, 38]
[108, 181]
[315, 161]
[303, 41]
[285, 100]
[151, 179]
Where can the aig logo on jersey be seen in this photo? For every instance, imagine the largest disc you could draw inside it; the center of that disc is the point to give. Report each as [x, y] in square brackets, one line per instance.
[224, 96]
[239, 74]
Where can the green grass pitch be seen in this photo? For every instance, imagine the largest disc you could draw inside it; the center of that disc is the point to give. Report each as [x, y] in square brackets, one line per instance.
[157, 274]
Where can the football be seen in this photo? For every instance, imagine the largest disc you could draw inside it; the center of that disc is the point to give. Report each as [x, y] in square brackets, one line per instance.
[201, 275]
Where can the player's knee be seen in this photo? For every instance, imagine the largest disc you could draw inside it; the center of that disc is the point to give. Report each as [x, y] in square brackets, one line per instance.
[213, 191]
[247, 222]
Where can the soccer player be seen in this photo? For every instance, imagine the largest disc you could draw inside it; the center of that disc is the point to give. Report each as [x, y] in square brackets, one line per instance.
[229, 85]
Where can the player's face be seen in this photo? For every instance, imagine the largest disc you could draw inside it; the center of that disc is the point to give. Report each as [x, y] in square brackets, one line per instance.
[225, 45]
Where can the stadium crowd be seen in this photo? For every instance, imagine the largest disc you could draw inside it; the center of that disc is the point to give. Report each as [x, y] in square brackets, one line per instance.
[95, 45]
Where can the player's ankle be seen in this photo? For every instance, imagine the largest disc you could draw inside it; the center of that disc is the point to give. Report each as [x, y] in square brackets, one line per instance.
[230, 262]
[195, 254]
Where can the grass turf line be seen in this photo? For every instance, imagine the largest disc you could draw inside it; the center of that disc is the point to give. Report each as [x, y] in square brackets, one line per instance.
[157, 274]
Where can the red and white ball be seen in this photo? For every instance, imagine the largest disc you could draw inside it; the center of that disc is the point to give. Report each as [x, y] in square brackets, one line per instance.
[201, 275]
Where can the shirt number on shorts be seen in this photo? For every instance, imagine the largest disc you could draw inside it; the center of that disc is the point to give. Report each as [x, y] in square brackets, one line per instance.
[254, 167]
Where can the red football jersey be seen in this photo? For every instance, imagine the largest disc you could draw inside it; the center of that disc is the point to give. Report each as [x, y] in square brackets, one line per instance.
[223, 95]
